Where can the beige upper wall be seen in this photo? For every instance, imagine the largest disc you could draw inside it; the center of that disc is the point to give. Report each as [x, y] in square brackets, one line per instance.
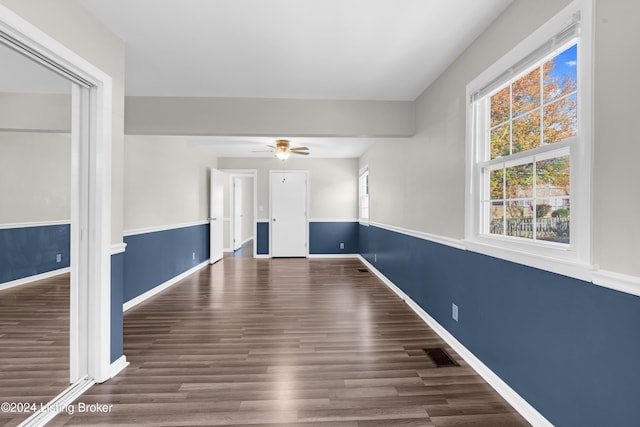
[37, 190]
[265, 117]
[70, 24]
[427, 178]
[616, 207]
[167, 182]
[35, 112]
[333, 184]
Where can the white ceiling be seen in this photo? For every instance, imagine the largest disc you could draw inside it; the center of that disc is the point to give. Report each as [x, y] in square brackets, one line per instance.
[305, 49]
[299, 49]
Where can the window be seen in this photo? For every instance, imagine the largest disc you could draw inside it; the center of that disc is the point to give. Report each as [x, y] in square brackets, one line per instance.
[528, 177]
[363, 192]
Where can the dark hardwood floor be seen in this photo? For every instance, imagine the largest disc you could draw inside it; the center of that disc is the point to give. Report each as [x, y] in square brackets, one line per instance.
[286, 342]
[34, 344]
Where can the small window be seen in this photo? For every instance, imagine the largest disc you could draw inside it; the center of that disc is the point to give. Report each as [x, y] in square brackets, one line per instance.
[363, 192]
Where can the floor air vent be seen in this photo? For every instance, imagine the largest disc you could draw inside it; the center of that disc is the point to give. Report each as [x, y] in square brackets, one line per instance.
[363, 270]
[440, 357]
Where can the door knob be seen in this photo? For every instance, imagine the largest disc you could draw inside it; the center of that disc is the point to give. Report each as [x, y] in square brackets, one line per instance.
[274, 220]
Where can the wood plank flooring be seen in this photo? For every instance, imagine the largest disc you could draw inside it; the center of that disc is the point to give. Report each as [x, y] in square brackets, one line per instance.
[286, 342]
[34, 344]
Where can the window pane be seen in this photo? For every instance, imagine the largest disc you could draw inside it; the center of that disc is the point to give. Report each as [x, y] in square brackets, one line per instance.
[496, 220]
[519, 181]
[526, 132]
[554, 226]
[500, 138]
[561, 119]
[500, 107]
[526, 93]
[560, 74]
[553, 177]
[519, 221]
[497, 184]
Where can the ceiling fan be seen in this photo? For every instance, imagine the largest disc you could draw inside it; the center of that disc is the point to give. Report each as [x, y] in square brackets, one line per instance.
[282, 149]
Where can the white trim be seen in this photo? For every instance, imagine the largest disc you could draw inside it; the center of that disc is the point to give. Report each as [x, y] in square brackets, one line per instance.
[263, 220]
[92, 111]
[448, 241]
[247, 240]
[34, 278]
[333, 256]
[151, 292]
[513, 398]
[607, 279]
[145, 230]
[119, 365]
[262, 256]
[334, 220]
[617, 281]
[34, 224]
[58, 404]
[118, 248]
[566, 267]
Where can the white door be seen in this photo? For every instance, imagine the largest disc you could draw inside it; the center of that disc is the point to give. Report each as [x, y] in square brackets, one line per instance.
[215, 216]
[289, 227]
[237, 213]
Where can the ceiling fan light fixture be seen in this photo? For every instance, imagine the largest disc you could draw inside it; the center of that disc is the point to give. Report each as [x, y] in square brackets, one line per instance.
[283, 155]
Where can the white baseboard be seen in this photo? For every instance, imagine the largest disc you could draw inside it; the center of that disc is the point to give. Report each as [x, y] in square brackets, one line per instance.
[35, 278]
[118, 366]
[151, 292]
[334, 256]
[513, 398]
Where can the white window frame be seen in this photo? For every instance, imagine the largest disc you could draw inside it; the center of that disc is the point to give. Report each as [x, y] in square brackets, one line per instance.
[566, 259]
[363, 196]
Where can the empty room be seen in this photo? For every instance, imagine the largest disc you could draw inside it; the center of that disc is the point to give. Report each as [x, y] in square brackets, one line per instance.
[321, 213]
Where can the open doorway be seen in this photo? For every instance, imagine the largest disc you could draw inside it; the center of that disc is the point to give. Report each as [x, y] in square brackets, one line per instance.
[240, 212]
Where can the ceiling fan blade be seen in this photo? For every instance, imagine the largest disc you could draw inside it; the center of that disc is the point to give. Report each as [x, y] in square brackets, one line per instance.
[272, 147]
[304, 153]
[300, 148]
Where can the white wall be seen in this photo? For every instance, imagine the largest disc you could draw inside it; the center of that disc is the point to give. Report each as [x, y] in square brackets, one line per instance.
[35, 177]
[333, 184]
[167, 182]
[248, 224]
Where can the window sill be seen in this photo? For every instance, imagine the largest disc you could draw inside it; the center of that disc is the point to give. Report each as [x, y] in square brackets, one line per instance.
[556, 260]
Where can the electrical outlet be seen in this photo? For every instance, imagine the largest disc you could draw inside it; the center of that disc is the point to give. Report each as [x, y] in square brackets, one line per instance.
[341, 245]
[454, 312]
[59, 258]
[194, 255]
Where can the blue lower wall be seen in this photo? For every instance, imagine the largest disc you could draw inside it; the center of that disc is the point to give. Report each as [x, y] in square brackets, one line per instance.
[117, 289]
[154, 258]
[27, 251]
[325, 237]
[568, 347]
[262, 238]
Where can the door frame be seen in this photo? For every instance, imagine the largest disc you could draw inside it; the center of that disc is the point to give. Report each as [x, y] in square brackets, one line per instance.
[90, 288]
[246, 173]
[216, 214]
[306, 173]
[236, 229]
